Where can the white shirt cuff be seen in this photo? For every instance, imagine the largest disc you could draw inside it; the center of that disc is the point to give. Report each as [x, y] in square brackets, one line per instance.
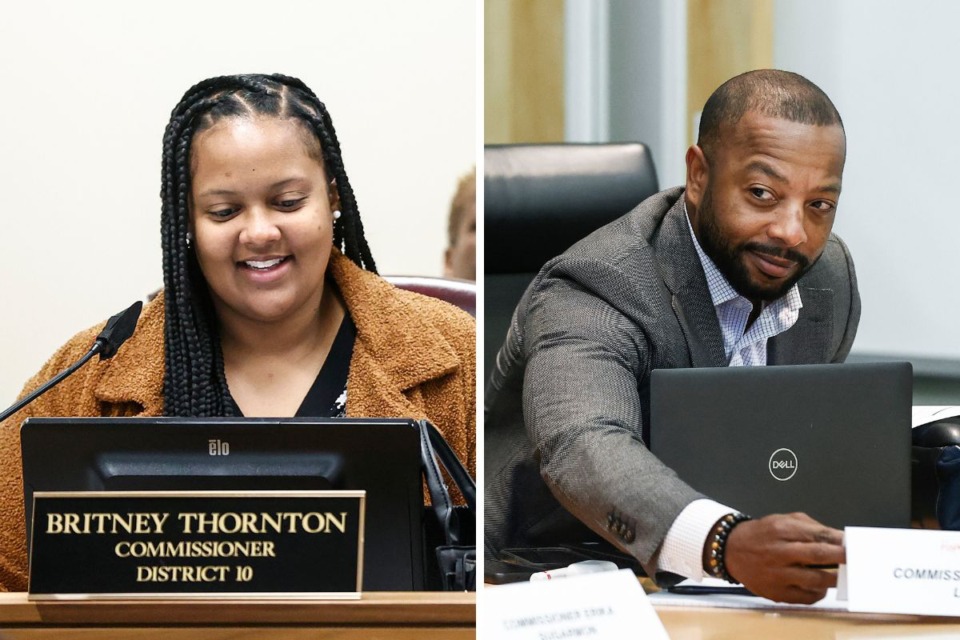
[682, 549]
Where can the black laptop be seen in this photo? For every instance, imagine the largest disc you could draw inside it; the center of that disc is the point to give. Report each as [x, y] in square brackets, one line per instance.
[379, 456]
[832, 441]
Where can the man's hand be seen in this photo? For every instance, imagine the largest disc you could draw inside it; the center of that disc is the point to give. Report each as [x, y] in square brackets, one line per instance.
[775, 556]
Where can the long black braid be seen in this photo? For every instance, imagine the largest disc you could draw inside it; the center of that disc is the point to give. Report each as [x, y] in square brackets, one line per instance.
[194, 383]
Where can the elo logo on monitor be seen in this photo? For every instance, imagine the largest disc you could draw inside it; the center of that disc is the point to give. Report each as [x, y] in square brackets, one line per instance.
[783, 464]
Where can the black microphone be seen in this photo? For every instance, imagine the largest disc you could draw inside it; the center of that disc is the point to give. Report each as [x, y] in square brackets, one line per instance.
[117, 330]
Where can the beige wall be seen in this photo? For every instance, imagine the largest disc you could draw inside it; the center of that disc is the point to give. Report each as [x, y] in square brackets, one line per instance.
[523, 71]
[524, 50]
[724, 38]
[88, 100]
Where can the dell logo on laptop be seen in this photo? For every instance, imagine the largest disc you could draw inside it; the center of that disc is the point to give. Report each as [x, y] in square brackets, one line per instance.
[219, 447]
[783, 464]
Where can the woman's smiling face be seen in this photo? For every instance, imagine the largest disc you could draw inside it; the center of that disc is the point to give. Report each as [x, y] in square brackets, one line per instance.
[261, 211]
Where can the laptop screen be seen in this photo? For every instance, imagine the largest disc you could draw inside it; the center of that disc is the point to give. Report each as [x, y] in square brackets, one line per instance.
[379, 456]
[832, 441]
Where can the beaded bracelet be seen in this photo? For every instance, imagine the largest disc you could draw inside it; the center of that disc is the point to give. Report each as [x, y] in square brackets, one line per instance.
[716, 566]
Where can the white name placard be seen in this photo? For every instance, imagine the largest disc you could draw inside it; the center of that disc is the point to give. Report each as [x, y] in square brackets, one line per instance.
[913, 571]
[596, 605]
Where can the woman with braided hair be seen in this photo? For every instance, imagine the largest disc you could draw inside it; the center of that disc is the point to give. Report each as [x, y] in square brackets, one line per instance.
[271, 303]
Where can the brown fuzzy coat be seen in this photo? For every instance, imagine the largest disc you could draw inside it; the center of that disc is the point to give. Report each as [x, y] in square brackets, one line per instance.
[413, 357]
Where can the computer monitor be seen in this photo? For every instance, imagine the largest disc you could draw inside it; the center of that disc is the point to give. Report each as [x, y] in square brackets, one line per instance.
[380, 456]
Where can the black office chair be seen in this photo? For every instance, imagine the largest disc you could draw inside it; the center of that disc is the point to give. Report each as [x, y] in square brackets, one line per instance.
[935, 466]
[540, 200]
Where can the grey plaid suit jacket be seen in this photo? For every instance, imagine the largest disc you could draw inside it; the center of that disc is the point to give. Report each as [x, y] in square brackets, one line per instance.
[566, 411]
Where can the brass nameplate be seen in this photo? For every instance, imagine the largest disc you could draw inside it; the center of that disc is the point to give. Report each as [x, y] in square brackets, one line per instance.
[124, 544]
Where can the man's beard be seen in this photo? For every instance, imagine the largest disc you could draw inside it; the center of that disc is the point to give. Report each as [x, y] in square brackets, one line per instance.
[732, 261]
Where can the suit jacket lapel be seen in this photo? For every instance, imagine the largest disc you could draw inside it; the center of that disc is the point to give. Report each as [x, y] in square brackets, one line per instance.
[690, 297]
[807, 341]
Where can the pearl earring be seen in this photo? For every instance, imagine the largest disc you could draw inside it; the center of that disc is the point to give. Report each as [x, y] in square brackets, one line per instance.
[336, 214]
[189, 239]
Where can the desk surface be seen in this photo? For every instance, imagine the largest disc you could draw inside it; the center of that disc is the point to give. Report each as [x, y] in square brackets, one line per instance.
[791, 622]
[726, 624]
[376, 615]
[406, 616]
